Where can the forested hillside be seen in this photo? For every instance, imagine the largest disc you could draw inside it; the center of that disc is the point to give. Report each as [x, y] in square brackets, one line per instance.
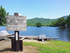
[45, 22]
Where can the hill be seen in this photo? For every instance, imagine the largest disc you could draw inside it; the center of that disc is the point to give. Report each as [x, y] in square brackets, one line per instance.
[65, 17]
[45, 22]
[32, 22]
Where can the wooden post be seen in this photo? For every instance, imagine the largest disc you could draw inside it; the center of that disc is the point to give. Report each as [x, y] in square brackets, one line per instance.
[17, 41]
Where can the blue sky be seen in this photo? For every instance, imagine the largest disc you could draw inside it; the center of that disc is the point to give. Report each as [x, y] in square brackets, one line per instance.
[37, 8]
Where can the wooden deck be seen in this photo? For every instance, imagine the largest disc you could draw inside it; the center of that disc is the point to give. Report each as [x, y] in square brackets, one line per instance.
[37, 37]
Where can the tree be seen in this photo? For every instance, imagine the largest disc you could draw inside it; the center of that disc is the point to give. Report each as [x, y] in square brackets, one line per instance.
[68, 21]
[3, 16]
[38, 24]
[60, 22]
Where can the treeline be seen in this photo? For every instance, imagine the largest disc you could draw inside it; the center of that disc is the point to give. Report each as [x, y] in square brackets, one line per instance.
[61, 22]
[3, 16]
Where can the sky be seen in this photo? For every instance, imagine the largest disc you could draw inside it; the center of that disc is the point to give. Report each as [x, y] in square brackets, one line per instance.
[51, 9]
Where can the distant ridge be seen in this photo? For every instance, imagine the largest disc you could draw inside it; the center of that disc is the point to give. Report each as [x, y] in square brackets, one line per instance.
[65, 17]
[33, 21]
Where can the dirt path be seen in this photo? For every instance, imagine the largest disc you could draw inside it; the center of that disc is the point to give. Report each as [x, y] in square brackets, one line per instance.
[5, 47]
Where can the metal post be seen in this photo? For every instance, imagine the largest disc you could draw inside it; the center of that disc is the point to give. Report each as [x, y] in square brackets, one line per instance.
[16, 40]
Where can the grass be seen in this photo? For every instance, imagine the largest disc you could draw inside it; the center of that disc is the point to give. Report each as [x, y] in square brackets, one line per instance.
[51, 46]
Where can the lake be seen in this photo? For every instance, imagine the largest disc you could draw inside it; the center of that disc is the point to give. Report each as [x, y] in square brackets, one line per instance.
[51, 32]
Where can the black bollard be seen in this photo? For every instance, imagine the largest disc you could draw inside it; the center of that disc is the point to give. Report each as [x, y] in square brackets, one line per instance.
[17, 41]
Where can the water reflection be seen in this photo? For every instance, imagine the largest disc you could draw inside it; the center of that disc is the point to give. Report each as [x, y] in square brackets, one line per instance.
[64, 34]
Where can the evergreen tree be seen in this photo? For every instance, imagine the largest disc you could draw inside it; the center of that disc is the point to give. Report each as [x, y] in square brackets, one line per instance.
[3, 16]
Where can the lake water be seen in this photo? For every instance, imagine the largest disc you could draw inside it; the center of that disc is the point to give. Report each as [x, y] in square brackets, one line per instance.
[51, 32]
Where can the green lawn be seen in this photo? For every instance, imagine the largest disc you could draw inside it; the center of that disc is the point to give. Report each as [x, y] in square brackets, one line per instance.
[51, 46]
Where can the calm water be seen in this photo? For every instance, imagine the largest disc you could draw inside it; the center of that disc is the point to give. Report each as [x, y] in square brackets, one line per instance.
[51, 32]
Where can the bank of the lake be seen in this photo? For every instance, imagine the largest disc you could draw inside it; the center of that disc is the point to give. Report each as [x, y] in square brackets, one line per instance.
[51, 46]
[50, 32]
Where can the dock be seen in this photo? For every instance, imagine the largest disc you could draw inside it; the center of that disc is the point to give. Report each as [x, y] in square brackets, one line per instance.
[37, 37]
